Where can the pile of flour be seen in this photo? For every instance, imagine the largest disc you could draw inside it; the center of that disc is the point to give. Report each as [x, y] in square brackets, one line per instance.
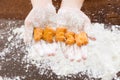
[103, 55]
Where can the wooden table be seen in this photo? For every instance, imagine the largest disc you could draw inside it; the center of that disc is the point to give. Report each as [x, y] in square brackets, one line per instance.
[103, 11]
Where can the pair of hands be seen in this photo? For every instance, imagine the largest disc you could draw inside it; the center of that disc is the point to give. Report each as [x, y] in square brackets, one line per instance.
[73, 18]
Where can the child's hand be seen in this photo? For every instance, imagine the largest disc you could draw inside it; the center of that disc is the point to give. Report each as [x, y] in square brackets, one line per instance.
[38, 17]
[76, 21]
[73, 18]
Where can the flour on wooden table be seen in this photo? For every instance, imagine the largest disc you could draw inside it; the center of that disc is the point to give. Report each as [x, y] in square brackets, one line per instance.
[103, 55]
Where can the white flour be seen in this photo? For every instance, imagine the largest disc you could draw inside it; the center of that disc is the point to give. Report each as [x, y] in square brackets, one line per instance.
[103, 55]
[16, 78]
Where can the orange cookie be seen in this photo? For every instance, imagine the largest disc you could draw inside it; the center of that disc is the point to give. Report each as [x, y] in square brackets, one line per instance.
[70, 38]
[85, 38]
[81, 39]
[38, 32]
[60, 34]
[48, 34]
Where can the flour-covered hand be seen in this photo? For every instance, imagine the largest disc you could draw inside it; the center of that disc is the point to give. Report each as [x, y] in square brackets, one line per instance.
[76, 21]
[38, 17]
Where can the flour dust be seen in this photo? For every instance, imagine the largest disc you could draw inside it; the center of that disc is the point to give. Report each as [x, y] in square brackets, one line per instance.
[103, 55]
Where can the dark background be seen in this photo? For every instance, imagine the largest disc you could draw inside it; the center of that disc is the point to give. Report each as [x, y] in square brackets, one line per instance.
[103, 11]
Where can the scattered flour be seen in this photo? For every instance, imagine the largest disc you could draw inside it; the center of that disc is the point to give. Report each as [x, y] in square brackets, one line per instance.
[16, 78]
[9, 39]
[103, 55]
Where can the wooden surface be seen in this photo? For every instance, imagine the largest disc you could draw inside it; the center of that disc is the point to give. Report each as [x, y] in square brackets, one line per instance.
[103, 11]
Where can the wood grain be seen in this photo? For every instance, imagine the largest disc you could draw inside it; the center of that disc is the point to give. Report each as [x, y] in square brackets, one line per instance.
[103, 11]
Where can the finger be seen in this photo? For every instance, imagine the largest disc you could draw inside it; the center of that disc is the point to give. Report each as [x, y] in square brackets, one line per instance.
[78, 53]
[84, 52]
[92, 38]
[69, 53]
[28, 33]
[88, 28]
[52, 48]
[38, 49]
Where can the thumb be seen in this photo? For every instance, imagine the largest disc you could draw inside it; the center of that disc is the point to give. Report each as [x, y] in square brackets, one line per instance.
[28, 32]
